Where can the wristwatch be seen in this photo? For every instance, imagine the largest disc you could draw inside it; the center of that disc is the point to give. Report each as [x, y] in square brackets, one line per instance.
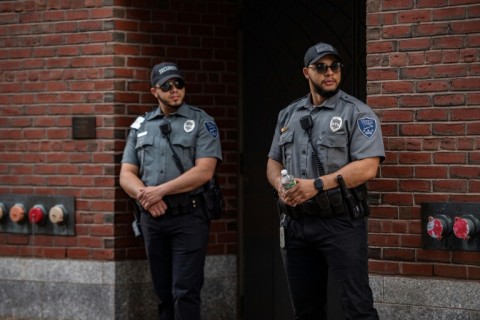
[318, 183]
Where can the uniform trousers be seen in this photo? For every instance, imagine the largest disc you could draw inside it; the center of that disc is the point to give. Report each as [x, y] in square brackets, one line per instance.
[318, 248]
[176, 247]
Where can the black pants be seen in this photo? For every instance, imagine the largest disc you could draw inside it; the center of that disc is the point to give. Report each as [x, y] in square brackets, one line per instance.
[317, 248]
[176, 248]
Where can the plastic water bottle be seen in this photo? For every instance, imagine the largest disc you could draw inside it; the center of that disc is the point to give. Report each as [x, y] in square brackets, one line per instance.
[287, 180]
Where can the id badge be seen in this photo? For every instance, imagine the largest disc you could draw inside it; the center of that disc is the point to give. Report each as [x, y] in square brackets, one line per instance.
[282, 237]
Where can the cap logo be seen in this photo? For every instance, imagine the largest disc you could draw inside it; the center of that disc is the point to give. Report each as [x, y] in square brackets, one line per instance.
[324, 47]
[167, 68]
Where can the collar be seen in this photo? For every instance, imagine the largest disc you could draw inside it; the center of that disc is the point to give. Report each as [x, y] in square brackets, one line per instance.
[182, 111]
[328, 103]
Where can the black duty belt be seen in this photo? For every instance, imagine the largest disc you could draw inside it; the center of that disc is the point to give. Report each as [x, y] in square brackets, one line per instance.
[182, 203]
[308, 208]
[322, 205]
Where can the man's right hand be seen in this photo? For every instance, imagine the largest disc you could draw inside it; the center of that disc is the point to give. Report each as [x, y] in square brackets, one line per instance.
[158, 209]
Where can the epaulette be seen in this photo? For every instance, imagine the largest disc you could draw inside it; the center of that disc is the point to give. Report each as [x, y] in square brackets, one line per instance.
[136, 124]
[297, 100]
[352, 100]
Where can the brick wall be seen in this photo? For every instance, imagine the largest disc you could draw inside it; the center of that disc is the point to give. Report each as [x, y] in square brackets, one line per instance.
[424, 81]
[60, 59]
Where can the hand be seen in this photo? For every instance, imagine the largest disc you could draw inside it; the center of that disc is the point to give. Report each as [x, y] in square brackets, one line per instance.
[158, 209]
[149, 196]
[303, 191]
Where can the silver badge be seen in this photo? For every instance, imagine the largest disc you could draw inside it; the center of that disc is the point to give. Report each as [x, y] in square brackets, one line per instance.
[189, 125]
[336, 123]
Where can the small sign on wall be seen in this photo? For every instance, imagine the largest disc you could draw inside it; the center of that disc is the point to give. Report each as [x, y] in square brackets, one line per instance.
[83, 127]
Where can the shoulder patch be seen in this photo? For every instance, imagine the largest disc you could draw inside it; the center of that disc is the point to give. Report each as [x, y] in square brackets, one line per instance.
[368, 126]
[136, 124]
[211, 128]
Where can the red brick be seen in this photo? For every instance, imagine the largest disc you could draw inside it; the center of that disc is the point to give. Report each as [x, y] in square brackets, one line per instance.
[431, 3]
[449, 100]
[414, 44]
[435, 172]
[449, 157]
[450, 271]
[415, 186]
[399, 254]
[431, 29]
[384, 267]
[417, 269]
[397, 87]
[397, 4]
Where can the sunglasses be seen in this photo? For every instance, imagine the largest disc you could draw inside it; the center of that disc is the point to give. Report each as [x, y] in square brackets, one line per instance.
[323, 67]
[167, 86]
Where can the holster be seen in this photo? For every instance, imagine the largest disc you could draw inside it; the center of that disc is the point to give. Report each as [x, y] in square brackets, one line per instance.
[361, 195]
[324, 205]
[336, 201]
[213, 199]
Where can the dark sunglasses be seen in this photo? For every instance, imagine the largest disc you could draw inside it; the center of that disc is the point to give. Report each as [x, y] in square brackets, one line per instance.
[167, 86]
[323, 67]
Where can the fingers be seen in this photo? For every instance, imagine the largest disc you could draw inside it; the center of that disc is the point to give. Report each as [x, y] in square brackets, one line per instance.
[158, 209]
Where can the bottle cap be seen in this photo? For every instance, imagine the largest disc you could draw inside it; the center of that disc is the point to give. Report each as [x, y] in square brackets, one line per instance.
[284, 172]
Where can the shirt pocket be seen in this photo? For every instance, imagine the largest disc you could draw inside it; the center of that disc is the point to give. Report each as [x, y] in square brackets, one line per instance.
[333, 150]
[286, 144]
[144, 150]
[184, 146]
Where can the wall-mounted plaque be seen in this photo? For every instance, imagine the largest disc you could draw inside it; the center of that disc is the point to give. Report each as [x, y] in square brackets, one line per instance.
[83, 127]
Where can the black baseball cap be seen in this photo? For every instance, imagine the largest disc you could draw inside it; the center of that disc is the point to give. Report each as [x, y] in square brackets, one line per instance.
[163, 72]
[318, 51]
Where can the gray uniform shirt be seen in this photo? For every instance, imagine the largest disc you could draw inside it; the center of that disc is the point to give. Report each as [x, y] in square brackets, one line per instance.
[193, 135]
[344, 129]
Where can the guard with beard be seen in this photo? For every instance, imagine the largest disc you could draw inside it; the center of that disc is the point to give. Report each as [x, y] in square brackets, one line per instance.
[332, 144]
[170, 154]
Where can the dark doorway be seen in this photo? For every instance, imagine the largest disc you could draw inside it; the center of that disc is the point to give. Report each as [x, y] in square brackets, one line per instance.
[275, 36]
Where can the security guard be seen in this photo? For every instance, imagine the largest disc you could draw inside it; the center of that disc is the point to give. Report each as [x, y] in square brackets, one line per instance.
[327, 139]
[170, 154]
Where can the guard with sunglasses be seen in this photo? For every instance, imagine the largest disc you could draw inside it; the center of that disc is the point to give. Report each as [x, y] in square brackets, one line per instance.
[170, 154]
[332, 144]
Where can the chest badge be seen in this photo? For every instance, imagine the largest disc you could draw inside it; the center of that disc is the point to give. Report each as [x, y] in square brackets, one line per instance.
[335, 124]
[189, 125]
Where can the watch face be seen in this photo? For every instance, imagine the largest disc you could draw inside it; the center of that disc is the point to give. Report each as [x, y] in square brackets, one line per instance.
[319, 184]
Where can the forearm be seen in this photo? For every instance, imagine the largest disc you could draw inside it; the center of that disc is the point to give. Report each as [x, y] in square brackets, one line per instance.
[189, 181]
[130, 183]
[273, 172]
[355, 173]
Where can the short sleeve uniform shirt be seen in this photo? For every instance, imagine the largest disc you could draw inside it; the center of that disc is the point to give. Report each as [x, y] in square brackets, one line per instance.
[193, 135]
[344, 130]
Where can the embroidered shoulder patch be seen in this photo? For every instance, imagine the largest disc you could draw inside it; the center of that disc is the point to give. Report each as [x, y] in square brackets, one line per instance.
[368, 126]
[211, 128]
